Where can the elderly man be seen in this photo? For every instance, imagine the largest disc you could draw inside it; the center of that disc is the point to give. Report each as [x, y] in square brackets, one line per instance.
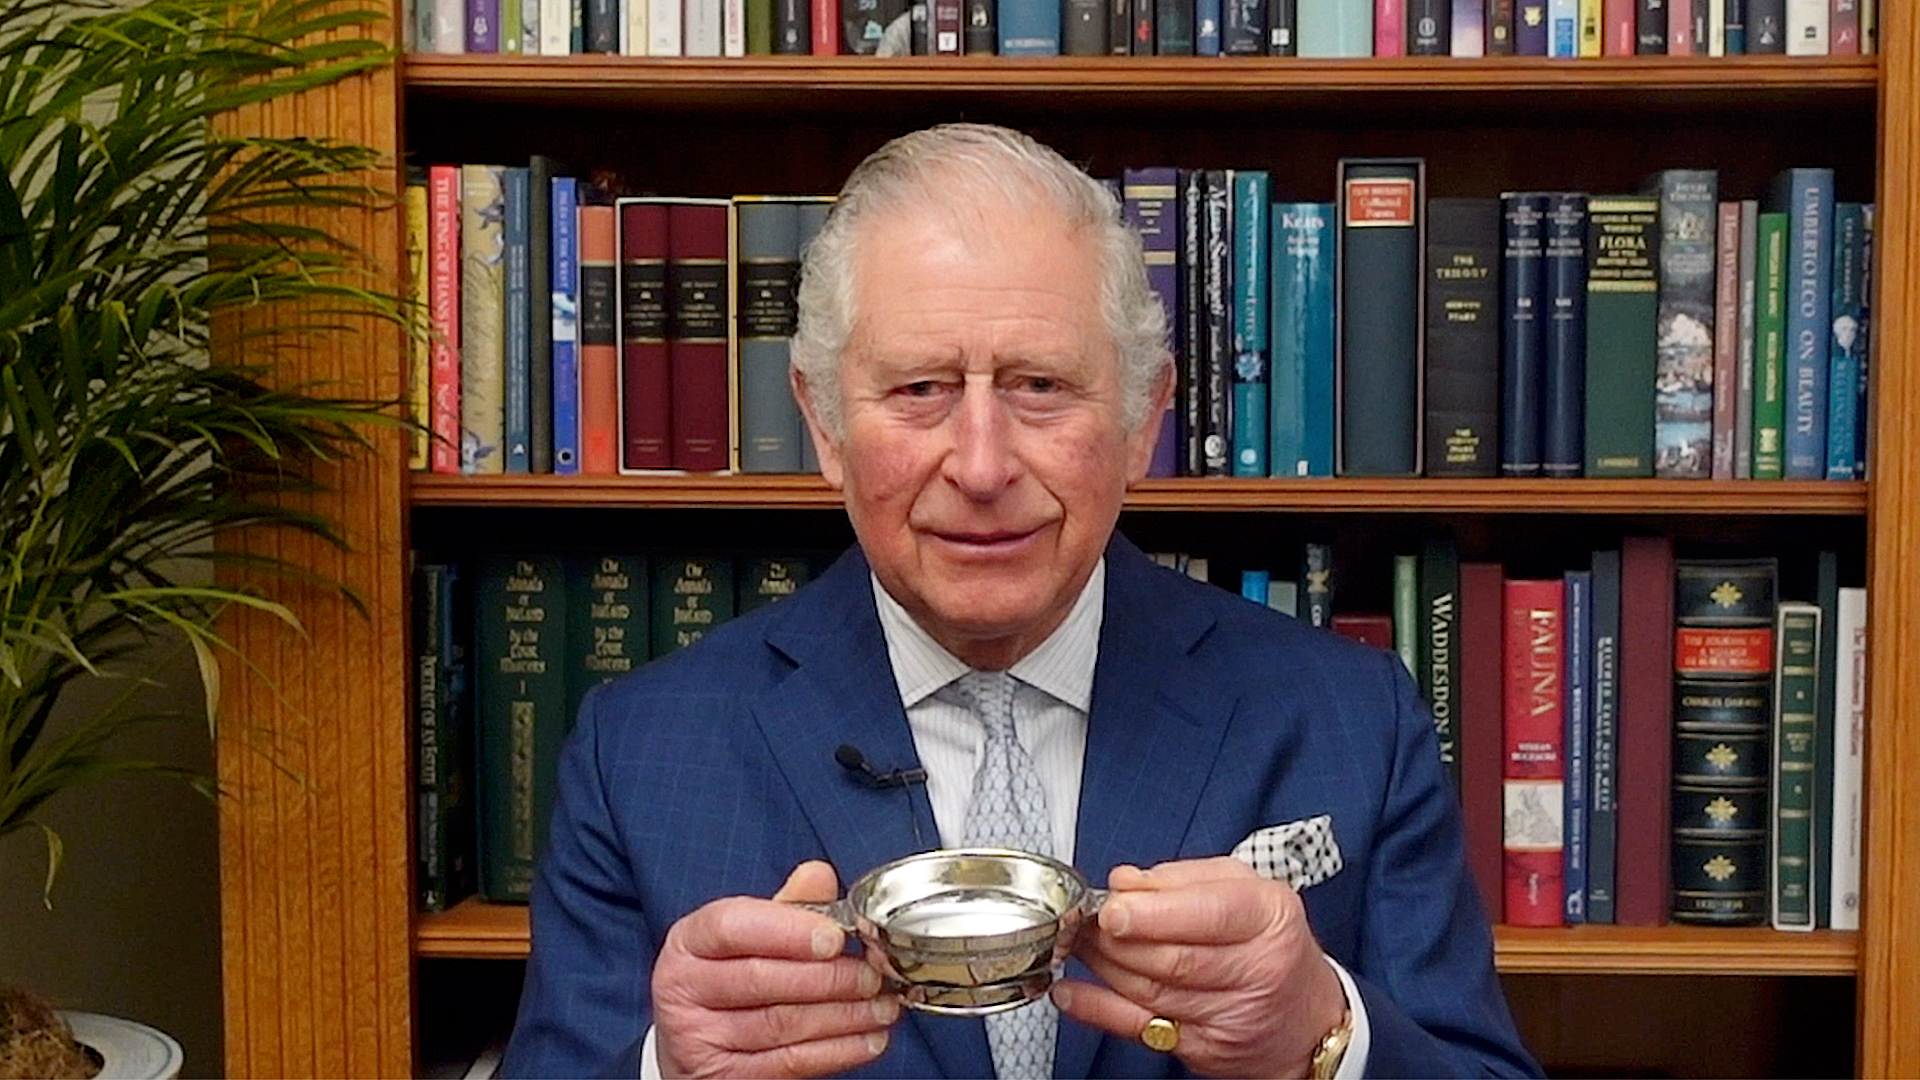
[981, 365]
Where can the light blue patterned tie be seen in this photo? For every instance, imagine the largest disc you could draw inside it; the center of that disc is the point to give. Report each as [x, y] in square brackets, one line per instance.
[1009, 810]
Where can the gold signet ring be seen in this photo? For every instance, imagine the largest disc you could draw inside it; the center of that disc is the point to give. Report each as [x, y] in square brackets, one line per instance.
[1161, 1034]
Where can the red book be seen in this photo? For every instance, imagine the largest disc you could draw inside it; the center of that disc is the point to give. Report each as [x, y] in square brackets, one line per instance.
[1375, 630]
[1389, 27]
[646, 382]
[1617, 32]
[1482, 741]
[443, 315]
[826, 27]
[1533, 725]
[1843, 28]
[698, 314]
[599, 345]
[1645, 754]
[1680, 29]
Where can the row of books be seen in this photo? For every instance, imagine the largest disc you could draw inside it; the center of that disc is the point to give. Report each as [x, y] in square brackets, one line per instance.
[1567, 29]
[1639, 739]
[506, 646]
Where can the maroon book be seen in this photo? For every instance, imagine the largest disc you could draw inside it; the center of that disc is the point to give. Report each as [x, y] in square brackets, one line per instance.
[1646, 730]
[645, 385]
[698, 314]
[1375, 630]
[1482, 744]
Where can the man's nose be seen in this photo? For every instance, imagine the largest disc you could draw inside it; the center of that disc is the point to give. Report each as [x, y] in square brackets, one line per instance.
[982, 461]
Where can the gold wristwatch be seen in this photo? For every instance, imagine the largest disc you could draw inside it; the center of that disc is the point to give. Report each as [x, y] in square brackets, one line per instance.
[1333, 1047]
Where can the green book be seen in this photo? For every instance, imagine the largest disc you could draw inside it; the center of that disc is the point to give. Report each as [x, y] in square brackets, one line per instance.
[443, 751]
[1623, 310]
[520, 701]
[607, 622]
[1796, 690]
[1770, 349]
[692, 594]
[1439, 650]
[766, 578]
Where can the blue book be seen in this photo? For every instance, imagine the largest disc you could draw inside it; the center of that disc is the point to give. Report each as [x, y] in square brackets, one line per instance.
[1563, 368]
[1530, 28]
[1563, 29]
[1603, 692]
[1251, 235]
[566, 327]
[1578, 711]
[1846, 340]
[519, 351]
[1029, 28]
[1523, 254]
[1150, 200]
[1866, 339]
[1300, 399]
[1253, 585]
[1334, 28]
[1206, 27]
[1806, 197]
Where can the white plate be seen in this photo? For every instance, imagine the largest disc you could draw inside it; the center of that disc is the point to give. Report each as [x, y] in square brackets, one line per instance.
[129, 1051]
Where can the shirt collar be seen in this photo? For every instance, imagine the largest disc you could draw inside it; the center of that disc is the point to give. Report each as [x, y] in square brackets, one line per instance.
[1061, 666]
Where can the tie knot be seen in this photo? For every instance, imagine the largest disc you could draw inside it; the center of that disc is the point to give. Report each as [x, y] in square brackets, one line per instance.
[990, 695]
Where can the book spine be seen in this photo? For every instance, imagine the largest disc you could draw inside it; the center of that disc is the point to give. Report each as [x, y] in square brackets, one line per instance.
[1120, 27]
[511, 23]
[664, 26]
[1590, 33]
[1430, 27]
[1468, 34]
[1770, 348]
[764, 579]
[1718, 14]
[1530, 28]
[1724, 613]
[1522, 337]
[1806, 197]
[1849, 761]
[768, 272]
[601, 27]
[1300, 402]
[1767, 26]
[516, 349]
[645, 313]
[1807, 27]
[1564, 360]
[1029, 28]
[1255, 585]
[482, 348]
[1217, 323]
[746, 28]
[1438, 652]
[1144, 29]
[1603, 739]
[1192, 334]
[599, 342]
[1317, 582]
[1533, 781]
[1083, 28]
[949, 24]
[1251, 262]
[824, 20]
[1378, 305]
[1406, 612]
[430, 580]
[1563, 29]
[419, 325]
[483, 26]
[1389, 27]
[1336, 28]
[702, 28]
[697, 332]
[1623, 253]
[1683, 381]
[1499, 19]
[556, 18]
[1650, 26]
[636, 29]
[1644, 830]
[1826, 595]
[1680, 39]
[1796, 691]
[1748, 241]
[440, 26]
[1150, 201]
[443, 313]
[812, 216]
[520, 694]
[1243, 27]
[1617, 28]
[793, 26]
[691, 594]
[566, 327]
[1863, 346]
[1283, 28]
[1482, 741]
[539, 314]
[1577, 701]
[1726, 335]
[1206, 27]
[608, 614]
[1463, 337]
[1847, 311]
[1173, 28]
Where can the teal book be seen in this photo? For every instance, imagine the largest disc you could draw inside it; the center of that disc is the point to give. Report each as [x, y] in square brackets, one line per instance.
[691, 595]
[515, 312]
[1251, 235]
[766, 578]
[1300, 340]
[443, 740]
[1846, 343]
[1334, 28]
[766, 273]
[608, 621]
[520, 699]
[1805, 196]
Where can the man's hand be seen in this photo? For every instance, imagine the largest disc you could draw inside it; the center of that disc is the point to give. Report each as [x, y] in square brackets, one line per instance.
[1222, 951]
[747, 987]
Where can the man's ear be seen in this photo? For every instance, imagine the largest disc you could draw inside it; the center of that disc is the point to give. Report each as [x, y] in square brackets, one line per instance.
[1141, 443]
[823, 447]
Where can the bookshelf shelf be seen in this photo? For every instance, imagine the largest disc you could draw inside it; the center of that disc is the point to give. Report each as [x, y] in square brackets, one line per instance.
[1640, 497]
[474, 929]
[1664, 82]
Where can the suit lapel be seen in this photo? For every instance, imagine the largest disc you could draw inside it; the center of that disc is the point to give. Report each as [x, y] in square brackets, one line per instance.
[842, 690]
[1153, 736]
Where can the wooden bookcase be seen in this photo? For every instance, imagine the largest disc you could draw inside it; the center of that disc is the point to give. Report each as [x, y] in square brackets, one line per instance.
[328, 971]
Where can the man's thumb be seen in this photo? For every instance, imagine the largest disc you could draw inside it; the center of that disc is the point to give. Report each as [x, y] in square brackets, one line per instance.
[812, 882]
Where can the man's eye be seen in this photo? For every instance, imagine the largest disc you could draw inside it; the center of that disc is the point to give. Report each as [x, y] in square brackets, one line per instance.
[1039, 384]
[923, 388]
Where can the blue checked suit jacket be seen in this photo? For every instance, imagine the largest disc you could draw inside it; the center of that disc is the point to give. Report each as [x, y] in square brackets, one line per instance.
[712, 773]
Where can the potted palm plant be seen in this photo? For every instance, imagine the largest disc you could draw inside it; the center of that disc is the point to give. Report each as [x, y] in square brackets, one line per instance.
[132, 222]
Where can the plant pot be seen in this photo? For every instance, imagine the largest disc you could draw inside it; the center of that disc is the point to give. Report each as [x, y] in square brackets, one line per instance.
[128, 1050]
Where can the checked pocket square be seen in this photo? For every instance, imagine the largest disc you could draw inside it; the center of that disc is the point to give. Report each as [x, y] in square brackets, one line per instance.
[1300, 853]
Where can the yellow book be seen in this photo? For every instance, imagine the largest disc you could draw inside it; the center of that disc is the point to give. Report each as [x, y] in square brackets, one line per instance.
[419, 339]
[1590, 27]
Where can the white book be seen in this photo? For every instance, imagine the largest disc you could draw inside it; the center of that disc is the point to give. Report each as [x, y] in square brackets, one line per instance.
[1849, 762]
[1869, 28]
[1806, 27]
[448, 30]
[1197, 568]
[733, 27]
[556, 27]
[700, 32]
[635, 36]
[663, 27]
[1717, 28]
[1563, 29]
[529, 26]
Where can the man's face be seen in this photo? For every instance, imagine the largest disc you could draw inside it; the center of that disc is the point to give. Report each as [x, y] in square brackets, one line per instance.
[986, 456]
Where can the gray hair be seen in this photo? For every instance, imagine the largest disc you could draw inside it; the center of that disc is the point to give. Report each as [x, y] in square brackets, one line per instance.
[951, 166]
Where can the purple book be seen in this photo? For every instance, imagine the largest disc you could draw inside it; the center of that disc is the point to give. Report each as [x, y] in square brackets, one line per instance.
[483, 26]
[1150, 200]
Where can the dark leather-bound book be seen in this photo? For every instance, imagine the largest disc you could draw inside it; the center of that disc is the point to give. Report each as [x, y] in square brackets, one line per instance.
[1439, 646]
[766, 578]
[607, 621]
[1243, 30]
[982, 34]
[1623, 310]
[520, 698]
[1191, 336]
[1463, 337]
[1283, 28]
[1172, 28]
[1429, 27]
[1522, 330]
[1723, 660]
[697, 318]
[1216, 283]
[691, 594]
[1563, 367]
[540, 171]
[1767, 26]
[443, 737]
[793, 28]
[1378, 291]
[1083, 30]
[646, 383]
[1641, 869]
[1650, 22]
[1500, 14]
